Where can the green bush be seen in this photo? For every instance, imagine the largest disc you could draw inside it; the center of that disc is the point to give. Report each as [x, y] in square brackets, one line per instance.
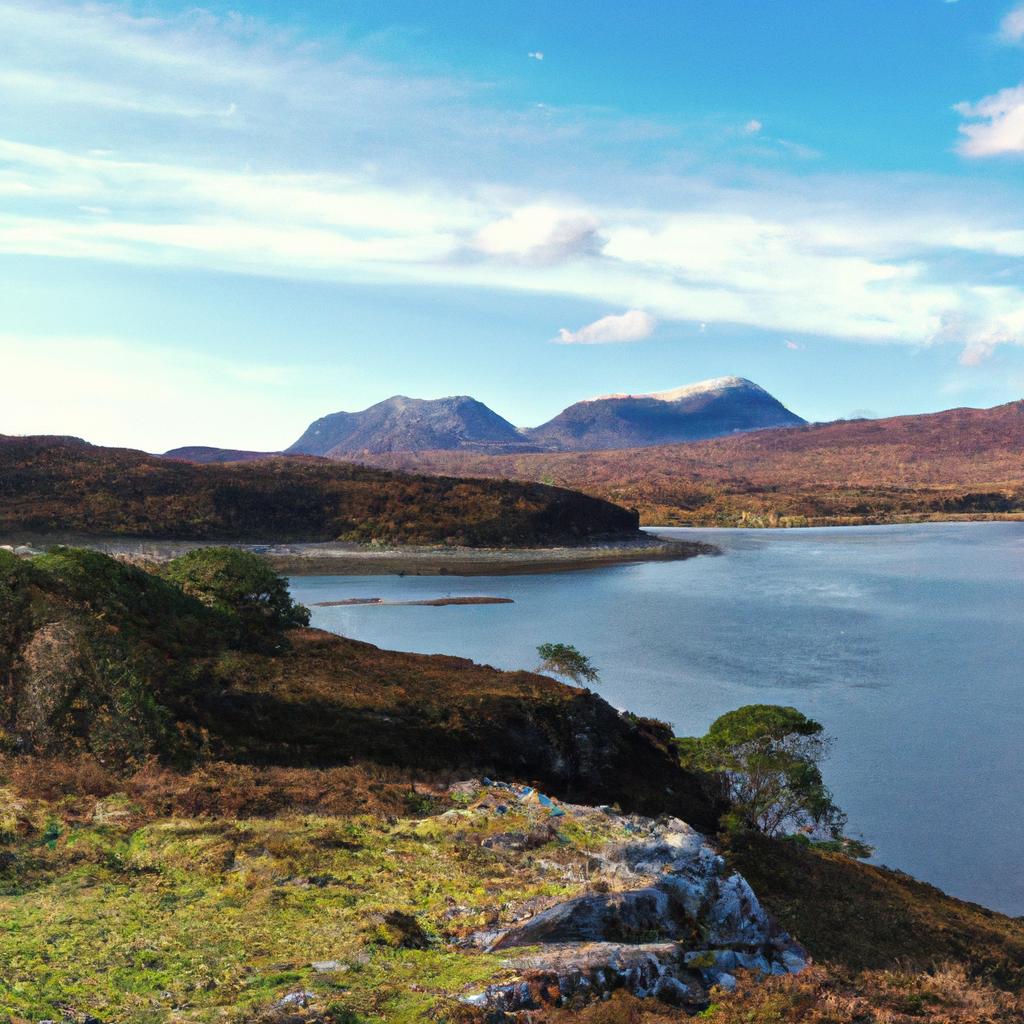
[242, 587]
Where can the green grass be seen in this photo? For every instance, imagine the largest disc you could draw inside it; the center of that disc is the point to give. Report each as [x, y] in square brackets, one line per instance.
[185, 919]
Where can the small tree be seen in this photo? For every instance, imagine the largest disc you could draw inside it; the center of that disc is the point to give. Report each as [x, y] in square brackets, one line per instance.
[565, 660]
[768, 757]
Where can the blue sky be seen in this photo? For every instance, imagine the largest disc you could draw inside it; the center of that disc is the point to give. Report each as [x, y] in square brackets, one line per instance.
[219, 223]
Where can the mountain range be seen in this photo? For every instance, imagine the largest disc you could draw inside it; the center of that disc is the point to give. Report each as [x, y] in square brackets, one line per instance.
[695, 412]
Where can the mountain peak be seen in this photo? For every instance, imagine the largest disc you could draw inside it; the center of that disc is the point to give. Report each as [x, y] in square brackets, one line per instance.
[693, 412]
[401, 424]
[716, 386]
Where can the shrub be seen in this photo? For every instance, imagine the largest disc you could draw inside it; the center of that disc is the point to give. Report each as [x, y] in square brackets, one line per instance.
[243, 588]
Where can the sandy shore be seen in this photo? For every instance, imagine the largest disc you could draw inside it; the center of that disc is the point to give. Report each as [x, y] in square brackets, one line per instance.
[314, 560]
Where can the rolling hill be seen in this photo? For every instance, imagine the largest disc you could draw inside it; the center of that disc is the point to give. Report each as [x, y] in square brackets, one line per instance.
[62, 485]
[941, 465]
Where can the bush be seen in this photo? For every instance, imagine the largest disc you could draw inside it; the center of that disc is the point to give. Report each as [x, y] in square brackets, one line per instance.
[244, 588]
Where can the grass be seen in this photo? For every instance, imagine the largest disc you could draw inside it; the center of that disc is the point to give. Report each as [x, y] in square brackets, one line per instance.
[180, 919]
[860, 917]
[109, 908]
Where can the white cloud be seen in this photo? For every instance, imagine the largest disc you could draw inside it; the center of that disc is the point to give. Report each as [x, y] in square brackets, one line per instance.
[794, 346]
[752, 127]
[541, 234]
[979, 331]
[632, 326]
[998, 124]
[1011, 28]
[536, 56]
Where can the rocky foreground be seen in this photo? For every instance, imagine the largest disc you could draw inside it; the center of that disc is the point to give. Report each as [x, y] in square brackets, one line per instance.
[508, 901]
[662, 914]
[147, 899]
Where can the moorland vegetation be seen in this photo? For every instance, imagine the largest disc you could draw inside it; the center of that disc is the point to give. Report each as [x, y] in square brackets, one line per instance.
[206, 806]
[947, 465]
[60, 485]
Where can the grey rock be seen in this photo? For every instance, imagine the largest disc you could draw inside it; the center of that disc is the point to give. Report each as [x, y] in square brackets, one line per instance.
[301, 998]
[326, 966]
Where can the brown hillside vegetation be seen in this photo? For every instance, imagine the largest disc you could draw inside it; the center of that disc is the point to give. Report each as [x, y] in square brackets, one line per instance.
[942, 465]
[59, 485]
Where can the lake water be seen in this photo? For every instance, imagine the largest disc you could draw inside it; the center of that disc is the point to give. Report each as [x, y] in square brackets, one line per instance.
[906, 642]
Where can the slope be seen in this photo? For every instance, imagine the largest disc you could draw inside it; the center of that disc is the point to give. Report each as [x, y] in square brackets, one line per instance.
[958, 462]
[53, 485]
[711, 408]
[411, 424]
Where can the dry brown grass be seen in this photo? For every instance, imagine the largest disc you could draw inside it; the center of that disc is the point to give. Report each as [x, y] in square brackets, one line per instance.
[947, 996]
[963, 461]
[222, 790]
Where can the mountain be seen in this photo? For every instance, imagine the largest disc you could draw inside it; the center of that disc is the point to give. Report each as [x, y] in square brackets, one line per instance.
[711, 408]
[695, 412]
[402, 424]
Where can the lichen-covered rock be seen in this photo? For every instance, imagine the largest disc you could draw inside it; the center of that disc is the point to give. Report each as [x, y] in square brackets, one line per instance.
[588, 971]
[670, 920]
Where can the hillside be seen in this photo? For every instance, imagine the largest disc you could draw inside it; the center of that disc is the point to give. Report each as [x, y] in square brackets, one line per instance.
[952, 463]
[711, 408]
[209, 815]
[101, 658]
[59, 485]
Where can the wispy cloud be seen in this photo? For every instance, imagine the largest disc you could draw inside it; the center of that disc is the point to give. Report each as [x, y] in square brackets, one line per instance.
[1011, 28]
[634, 325]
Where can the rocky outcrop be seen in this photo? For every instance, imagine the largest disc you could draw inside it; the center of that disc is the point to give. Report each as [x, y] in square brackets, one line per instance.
[664, 917]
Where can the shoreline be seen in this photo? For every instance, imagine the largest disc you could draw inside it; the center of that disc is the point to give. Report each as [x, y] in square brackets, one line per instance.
[342, 558]
[482, 561]
[756, 521]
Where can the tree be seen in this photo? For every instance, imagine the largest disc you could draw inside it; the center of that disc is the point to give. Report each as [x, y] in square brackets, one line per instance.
[565, 660]
[767, 757]
[243, 587]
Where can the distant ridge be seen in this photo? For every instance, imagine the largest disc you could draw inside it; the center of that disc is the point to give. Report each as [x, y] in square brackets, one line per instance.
[711, 408]
[694, 412]
[942, 465]
[205, 456]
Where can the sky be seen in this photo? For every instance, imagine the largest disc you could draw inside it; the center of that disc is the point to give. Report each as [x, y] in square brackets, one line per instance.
[219, 223]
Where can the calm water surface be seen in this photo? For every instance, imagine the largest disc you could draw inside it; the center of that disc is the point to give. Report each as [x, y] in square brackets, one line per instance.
[905, 641]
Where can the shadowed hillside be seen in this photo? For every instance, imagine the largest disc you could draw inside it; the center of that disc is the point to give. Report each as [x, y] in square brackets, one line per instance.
[100, 658]
[958, 462]
[64, 485]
